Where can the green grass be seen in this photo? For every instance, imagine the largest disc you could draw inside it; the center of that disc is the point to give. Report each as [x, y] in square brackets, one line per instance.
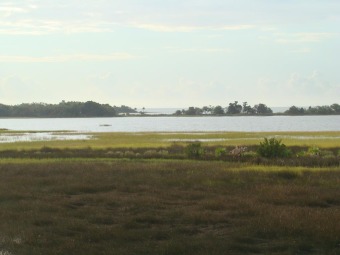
[107, 206]
[155, 140]
[73, 197]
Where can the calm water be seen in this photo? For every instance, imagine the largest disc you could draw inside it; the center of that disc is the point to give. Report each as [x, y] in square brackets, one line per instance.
[177, 124]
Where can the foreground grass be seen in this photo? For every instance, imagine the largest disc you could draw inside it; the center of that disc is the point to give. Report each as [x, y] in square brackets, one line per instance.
[56, 206]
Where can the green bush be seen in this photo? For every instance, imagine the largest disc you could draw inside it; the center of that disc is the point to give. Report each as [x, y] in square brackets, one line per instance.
[220, 152]
[301, 154]
[313, 151]
[273, 148]
[194, 150]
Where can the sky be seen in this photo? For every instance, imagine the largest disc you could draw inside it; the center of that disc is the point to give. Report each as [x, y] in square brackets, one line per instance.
[170, 53]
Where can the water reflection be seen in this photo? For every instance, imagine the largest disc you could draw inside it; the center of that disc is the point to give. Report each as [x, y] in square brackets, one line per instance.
[41, 136]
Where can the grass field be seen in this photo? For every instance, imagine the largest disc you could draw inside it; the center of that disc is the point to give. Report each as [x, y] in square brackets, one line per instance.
[166, 207]
[154, 140]
[103, 205]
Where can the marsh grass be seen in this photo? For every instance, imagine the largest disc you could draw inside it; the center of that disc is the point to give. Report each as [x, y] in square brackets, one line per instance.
[199, 151]
[58, 206]
[155, 140]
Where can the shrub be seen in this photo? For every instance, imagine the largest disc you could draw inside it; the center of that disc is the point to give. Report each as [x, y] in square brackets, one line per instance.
[194, 150]
[301, 154]
[119, 154]
[327, 154]
[150, 153]
[273, 148]
[163, 152]
[220, 152]
[129, 154]
[313, 151]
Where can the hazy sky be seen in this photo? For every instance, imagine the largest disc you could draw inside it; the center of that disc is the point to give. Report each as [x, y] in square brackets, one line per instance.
[170, 53]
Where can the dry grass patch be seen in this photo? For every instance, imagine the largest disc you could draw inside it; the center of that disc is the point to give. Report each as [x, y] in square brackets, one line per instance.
[167, 207]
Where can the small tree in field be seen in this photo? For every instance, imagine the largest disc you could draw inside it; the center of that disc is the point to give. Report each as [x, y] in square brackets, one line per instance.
[220, 152]
[273, 148]
[194, 150]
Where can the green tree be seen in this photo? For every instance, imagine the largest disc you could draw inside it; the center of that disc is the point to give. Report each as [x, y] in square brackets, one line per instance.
[5, 110]
[207, 109]
[193, 111]
[335, 108]
[324, 110]
[93, 109]
[218, 110]
[247, 109]
[262, 109]
[178, 112]
[234, 108]
[293, 110]
[194, 150]
[273, 148]
[124, 109]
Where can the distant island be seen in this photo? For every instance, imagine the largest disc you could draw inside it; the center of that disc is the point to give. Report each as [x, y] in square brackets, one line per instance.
[236, 109]
[93, 109]
[63, 110]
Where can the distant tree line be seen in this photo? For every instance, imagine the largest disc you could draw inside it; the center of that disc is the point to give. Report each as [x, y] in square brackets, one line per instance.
[333, 109]
[232, 109]
[93, 109]
[259, 109]
[63, 110]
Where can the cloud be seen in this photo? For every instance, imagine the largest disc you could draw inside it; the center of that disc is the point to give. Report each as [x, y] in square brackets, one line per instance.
[10, 9]
[41, 27]
[101, 76]
[160, 16]
[17, 88]
[164, 28]
[297, 88]
[236, 27]
[298, 84]
[158, 27]
[202, 50]
[313, 83]
[302, 50]
[303, 37]
[66, 58]
[87, 24]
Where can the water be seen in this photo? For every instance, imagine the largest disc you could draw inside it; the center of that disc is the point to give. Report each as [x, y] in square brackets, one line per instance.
[42, 136]
[177, 124]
